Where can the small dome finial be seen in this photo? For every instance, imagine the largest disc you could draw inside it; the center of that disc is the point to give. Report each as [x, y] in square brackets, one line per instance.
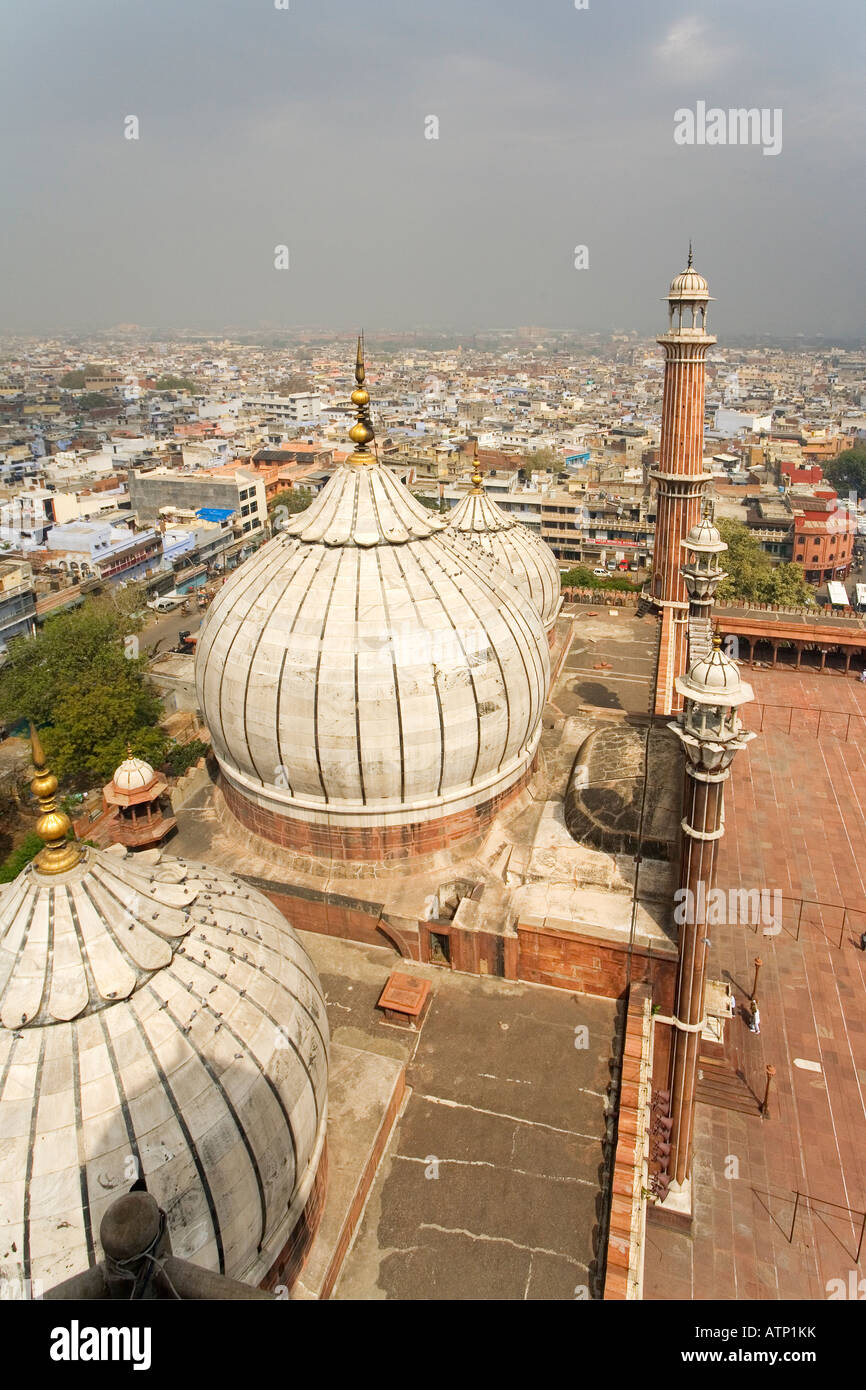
[717, 642]
[477, 475]
[362, 431]
[690, 264]
[53, 826]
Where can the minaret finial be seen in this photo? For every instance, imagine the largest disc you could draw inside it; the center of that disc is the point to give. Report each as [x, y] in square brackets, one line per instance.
[690, 266]
[362, 431]
[53, 826]
[477, 475]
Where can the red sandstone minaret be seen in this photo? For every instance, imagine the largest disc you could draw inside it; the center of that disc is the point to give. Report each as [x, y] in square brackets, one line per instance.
[680, 474]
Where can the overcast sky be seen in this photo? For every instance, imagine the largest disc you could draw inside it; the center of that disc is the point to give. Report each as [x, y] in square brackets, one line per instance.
[305, 127]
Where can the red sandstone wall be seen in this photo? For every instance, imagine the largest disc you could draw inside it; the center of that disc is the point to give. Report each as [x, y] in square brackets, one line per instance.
[379, 843]
[568, 960]
[330, 918]
[623, 1252]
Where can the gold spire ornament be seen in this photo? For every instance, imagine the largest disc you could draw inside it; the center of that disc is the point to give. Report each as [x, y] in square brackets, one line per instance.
[477, 475]
[362, 431]
[53, 826]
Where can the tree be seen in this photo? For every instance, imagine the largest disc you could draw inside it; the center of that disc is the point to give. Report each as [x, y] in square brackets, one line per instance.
[544, 460]
[291, 500]
[77, 683]
[581, 577]
[847, 473]
[290, 385]
[175, 383]
[95, 400]
[751, 574]
[431, 502]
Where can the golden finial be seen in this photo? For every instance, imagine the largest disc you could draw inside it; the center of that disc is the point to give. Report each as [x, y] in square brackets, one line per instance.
[361, 432]
[477, 475]
[717, 642]
[129, 752]
[53, 826]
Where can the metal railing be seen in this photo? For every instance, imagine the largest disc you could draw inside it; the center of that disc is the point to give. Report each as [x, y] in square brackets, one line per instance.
[828, 721]
[805, 1201]
[793, 921]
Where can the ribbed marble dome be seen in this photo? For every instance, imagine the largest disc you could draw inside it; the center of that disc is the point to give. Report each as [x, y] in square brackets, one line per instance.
[363, 670]
[714, 678]
[488, 533]
[162, 1020]
[133, 775]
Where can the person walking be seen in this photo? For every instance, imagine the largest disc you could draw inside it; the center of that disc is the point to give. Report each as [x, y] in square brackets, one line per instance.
[755, 1020]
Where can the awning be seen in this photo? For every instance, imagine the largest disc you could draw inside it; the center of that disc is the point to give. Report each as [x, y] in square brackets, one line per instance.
[838, 593]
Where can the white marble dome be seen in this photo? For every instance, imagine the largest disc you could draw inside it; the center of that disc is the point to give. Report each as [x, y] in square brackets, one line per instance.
[705, 537]
[714, 679]
[363, 670]
[689, 284]
[489, 534]
[133, 775]
[159, 1020]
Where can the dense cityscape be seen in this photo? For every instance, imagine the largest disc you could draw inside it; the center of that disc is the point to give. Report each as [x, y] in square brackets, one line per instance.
[433, 746]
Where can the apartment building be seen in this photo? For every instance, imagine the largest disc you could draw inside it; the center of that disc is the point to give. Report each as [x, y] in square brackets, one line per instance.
[17, 601]
[236, 492]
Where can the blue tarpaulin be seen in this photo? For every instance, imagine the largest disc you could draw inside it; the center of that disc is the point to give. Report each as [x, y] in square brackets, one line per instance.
[215, 513]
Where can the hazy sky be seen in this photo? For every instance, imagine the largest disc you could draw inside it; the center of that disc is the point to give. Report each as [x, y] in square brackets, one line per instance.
[305, 127]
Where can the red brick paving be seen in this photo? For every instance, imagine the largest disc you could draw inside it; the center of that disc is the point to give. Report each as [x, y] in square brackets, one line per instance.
[795, 820]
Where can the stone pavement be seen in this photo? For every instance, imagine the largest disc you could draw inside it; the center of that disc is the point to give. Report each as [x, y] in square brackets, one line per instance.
[491, 1185]
[795, 821]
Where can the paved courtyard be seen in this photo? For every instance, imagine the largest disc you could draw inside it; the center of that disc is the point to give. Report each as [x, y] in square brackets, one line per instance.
[796, 822]
[610, 663]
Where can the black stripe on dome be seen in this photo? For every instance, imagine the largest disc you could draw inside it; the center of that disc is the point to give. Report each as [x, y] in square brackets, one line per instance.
[410, 591]
[79, 1140]
[168, 1091]
[28, 1167]
[244, 1137]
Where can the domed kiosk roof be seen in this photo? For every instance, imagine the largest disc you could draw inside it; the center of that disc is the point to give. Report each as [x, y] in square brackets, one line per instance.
[362, 670]
[161, 1021]
[714, 680]
[487, 532]
[133, 775]
[689, 284]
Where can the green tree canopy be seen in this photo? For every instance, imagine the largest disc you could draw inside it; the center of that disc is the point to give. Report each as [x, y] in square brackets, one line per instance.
[847, 473]
[176, 383]
[292, 500]
[75, 681]
[290, 385]
[582, 577]
[751, 574]
[544, 459]
[74, 381]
